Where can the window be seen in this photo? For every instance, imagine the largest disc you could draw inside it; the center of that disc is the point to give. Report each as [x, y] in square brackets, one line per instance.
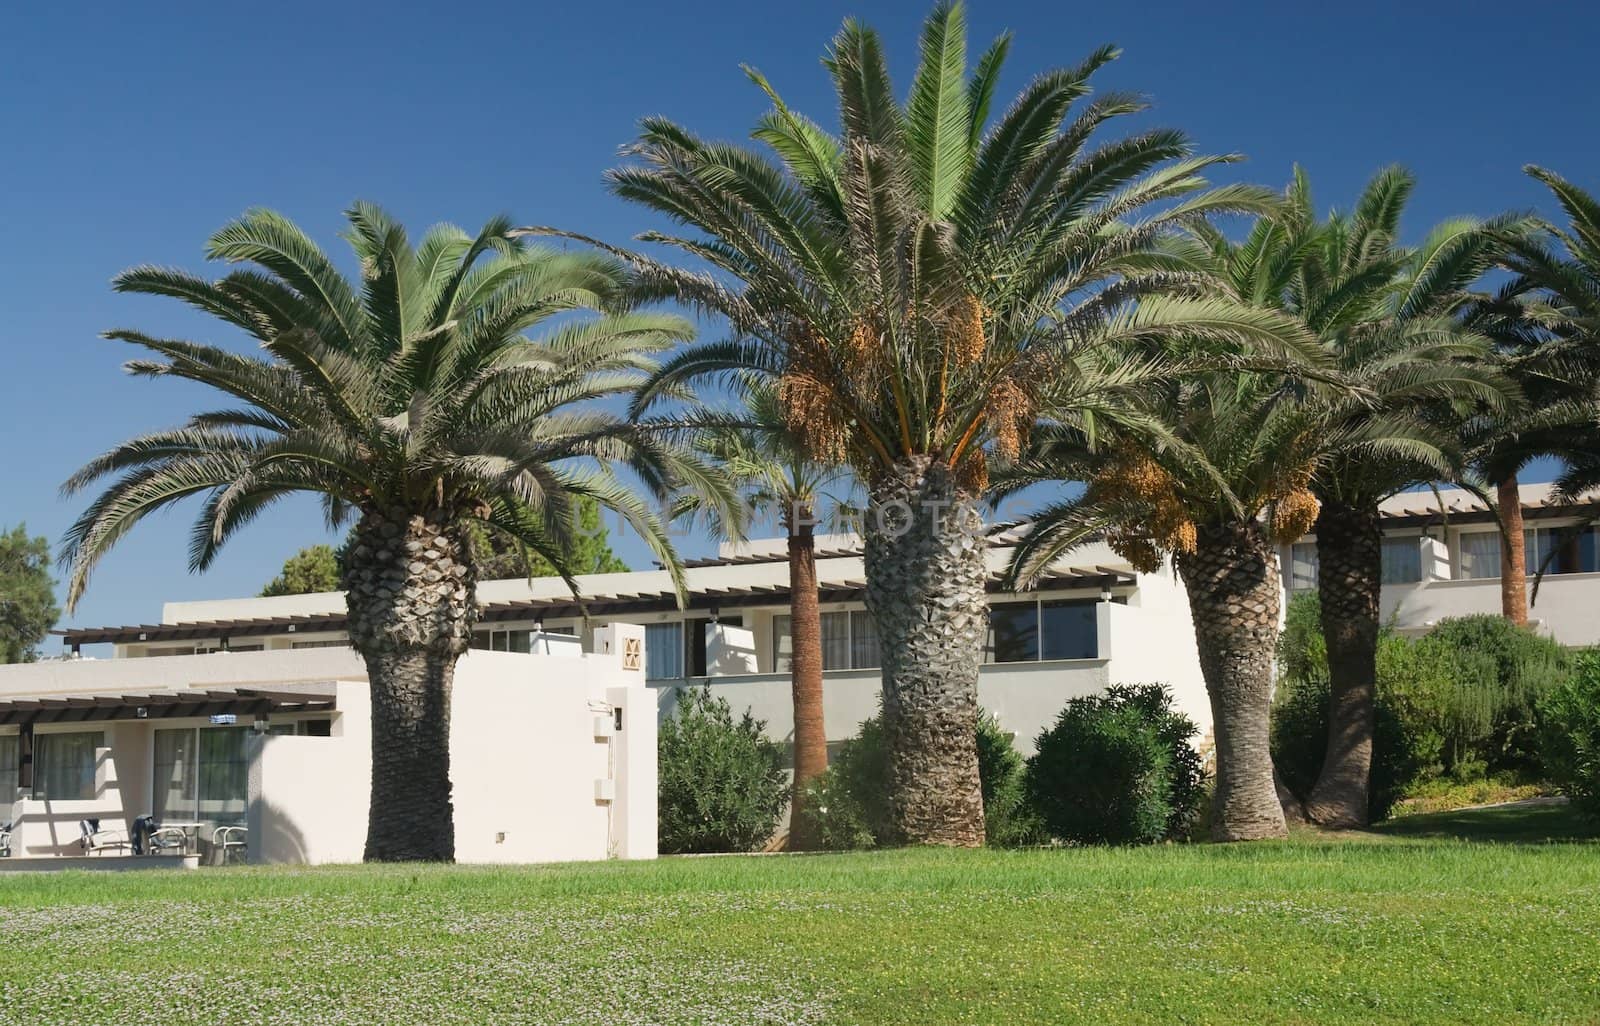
[1569, 551]
[663, 651]
[1067, 630]
[1021, 632]
[1014, 633]
[835, 641]
[201, 774]
[1402, 560]
[1303, 566]
[849, 640]
[63, 765]
[336, 644]
[10, 760]
[864, 651]
[695, 639]
[782, 643]
[1479, 558]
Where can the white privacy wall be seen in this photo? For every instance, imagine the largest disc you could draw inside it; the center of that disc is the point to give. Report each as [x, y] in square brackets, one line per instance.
[539, 772]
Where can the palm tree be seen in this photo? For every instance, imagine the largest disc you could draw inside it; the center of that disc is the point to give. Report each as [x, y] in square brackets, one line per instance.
[1558, 350]
[1217, 475]
[413, 403]
[908, 286]
[1545, 323]
[755, 447]
[1386, 317]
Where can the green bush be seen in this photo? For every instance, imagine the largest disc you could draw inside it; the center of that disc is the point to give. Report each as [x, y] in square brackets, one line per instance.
[1569, 726]
[848, 804]
[1009, 820]
[1458, 704]
[1117, 768]
[1503, 672]
[838, 821]
[1405, 745]
[721, 782]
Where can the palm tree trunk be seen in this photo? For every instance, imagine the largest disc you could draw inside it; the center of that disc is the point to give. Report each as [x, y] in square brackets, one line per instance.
[410, 590]
[1513, 557]
[926, 573]
[1350, 576]
[805, 667]
[1232, 580]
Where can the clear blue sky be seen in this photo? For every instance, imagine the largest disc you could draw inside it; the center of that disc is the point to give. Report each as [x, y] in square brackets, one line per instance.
[134, 131]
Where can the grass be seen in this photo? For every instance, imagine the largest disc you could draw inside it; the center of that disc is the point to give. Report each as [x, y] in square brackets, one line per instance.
[1414, 926]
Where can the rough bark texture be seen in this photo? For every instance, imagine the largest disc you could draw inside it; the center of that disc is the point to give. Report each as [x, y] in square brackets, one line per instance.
[925, 588]
[1350, 557]
[1232, 580]
[1513, 558]
[410, 591]
[805, 668]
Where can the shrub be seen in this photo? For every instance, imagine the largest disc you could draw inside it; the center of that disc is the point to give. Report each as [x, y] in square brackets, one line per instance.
[838, 821]
[849, 804]
[1569, 725]
[1412, 708]
[1117, 768]
[1456, 704]
[1009, 819]
[721, 784]
[1503, 672]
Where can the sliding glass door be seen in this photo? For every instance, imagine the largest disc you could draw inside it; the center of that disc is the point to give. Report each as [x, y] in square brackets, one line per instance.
[201, 775]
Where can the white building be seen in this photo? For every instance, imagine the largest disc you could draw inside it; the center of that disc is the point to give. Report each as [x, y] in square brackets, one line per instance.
[1441, 558]
[552, 754]
[253, 711]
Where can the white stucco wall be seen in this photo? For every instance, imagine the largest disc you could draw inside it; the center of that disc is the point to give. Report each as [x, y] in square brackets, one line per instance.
[49, 826]
[308, 795]
[1567, 607]
[530, 735]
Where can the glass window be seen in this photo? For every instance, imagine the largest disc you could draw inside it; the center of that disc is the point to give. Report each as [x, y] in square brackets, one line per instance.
[696, 640]
[223, 773]
[663, 651]
[174, 775]
[835, 641]
[1567, 551]
[63, 765]
[782, 643]
[1479, 556]
[10, 760]
[1303, 566]
[1402, 560]
[1014, 633]
[864, 652]
[1067, 630]
[341, 643]
[201, 774]
[481, 640]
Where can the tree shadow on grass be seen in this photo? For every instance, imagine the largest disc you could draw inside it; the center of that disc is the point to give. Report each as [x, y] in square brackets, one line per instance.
[1539, 821]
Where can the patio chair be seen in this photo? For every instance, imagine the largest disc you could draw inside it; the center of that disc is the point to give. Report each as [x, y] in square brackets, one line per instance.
[151, 838]
[227, 840]
[100, 841]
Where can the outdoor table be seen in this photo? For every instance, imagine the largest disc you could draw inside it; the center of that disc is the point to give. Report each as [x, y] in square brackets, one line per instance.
[187, 826]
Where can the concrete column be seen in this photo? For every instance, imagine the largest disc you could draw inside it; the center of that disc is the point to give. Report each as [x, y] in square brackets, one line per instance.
[633, 752]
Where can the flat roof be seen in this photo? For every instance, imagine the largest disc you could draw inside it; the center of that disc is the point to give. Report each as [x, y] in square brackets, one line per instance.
[611, 605]
[165, 704]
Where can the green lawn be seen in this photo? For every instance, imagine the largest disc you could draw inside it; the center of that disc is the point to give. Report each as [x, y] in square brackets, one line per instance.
[1392, 927]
